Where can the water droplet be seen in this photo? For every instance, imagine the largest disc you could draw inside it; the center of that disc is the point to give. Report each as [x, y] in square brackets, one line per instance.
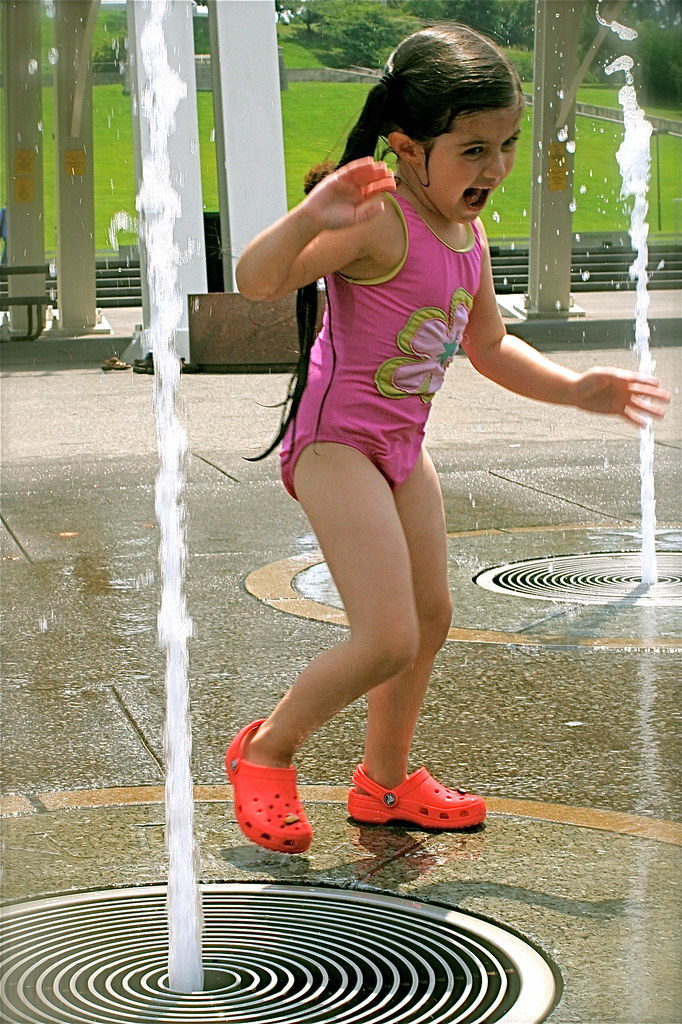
[583, 190]
[557, 304]
[622, 31]
[573, 206]
[121, 221]
[53, 55]
[49, 8]
[53, 268]
[570, 146]
[539, 179]
[562, 134]
[40, 126]
[32, 66]
[624, 63]
[577, 237]
[212, 137]
[496, 216]
[560, 94]
[42, 624]
[661, 265]
[585, 274]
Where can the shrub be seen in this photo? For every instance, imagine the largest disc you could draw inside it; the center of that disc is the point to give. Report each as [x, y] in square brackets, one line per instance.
[523, 62]
[660, 70]
[361, 33]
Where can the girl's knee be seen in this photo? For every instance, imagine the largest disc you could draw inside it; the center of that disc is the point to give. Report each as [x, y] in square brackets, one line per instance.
[392, 649]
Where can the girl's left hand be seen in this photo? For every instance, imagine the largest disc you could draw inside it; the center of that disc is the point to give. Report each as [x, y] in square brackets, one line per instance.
[621, 392]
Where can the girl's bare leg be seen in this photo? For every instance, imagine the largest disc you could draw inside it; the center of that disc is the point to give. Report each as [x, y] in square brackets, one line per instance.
[393, 707]
[355, 518]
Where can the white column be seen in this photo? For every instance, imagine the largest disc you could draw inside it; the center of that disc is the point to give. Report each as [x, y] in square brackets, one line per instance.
[24, 149]
[557, 29]
[74, 23]
[183, 150]
[248, 123]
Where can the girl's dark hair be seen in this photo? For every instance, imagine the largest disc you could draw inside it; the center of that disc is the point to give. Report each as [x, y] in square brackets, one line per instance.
[431, 78]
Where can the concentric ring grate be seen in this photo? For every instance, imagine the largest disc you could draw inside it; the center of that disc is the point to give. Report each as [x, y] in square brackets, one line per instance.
[272, 955]
[601, 577]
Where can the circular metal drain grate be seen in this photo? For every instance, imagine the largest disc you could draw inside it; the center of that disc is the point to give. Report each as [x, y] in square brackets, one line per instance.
[272, 954]
[602, 577]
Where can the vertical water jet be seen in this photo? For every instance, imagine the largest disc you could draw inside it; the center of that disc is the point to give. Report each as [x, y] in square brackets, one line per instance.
[634, 159]
[159, 206]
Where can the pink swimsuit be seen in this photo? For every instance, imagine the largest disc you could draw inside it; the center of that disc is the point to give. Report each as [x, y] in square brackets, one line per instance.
[381, 355]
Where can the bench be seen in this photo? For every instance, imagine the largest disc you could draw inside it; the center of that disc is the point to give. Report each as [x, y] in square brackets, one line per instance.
[32, 302]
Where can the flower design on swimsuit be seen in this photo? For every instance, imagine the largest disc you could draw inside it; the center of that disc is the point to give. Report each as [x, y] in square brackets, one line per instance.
[430, 339]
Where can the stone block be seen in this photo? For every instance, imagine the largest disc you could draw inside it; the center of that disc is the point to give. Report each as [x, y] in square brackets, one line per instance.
[232, 334]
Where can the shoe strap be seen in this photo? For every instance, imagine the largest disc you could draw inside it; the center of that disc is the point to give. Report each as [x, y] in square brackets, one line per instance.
[414, 781]
[362, 780]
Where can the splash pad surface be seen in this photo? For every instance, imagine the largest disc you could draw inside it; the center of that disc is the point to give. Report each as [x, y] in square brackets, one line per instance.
[599, 597]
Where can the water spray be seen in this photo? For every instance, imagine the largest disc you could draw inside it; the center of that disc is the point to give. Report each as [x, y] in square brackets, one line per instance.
[634, 159]
[159, 207]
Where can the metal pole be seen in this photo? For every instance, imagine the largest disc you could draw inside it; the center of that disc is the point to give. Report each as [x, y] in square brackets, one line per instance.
[658, 174]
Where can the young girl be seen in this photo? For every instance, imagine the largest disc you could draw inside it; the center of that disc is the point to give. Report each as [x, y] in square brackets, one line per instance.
[408, 279]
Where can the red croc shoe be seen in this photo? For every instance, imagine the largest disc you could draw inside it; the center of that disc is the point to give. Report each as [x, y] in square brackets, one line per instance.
[266, 802]
[420, 800]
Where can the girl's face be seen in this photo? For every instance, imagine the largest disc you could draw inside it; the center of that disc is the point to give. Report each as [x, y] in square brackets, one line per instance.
[466, 163]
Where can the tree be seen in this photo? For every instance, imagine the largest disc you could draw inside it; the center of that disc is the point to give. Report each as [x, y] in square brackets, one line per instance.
[509, 22]
[361, 32]
[310, 16]
[658, 52]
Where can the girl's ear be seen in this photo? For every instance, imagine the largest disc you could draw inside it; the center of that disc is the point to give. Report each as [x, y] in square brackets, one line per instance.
[406, 149]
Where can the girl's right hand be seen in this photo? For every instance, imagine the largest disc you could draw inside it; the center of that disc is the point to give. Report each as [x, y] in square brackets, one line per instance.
[349, 195]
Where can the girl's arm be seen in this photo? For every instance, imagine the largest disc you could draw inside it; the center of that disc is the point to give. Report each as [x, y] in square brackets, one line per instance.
[509, 361]
[328, 231]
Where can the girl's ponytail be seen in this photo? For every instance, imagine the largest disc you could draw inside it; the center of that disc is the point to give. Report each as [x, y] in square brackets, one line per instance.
[362, 141]
[370, 126]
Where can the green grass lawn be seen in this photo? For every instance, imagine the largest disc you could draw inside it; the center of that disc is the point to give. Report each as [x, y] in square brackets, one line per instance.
[293, 54]
[317, 117]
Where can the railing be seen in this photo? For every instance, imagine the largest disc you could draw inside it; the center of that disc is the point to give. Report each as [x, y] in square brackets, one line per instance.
[601, 265]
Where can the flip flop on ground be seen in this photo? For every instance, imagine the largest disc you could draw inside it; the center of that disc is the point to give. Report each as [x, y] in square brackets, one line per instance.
[114, 363]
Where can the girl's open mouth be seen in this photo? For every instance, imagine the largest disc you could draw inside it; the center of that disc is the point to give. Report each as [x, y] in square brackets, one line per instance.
[475, 198]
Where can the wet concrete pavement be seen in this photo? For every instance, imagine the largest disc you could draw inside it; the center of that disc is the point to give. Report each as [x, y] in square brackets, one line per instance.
[565, 715]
